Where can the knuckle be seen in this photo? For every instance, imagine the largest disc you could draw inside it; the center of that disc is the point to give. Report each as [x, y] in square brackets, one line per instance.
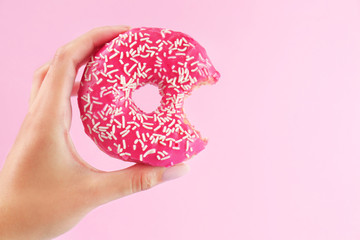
[94, 30]
[98, 29]
[37, 73]
[40, 72]
[61, 53]
[143, 181]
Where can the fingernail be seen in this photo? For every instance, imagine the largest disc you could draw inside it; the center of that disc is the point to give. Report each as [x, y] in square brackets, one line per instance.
[175, 172]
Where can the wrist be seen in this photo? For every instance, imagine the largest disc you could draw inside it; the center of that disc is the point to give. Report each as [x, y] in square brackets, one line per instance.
[15, 224]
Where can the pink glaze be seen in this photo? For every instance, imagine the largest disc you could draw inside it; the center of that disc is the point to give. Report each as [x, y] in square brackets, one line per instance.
[175, 63]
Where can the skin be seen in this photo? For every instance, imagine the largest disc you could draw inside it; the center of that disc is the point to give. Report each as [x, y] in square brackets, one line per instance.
[46, 188]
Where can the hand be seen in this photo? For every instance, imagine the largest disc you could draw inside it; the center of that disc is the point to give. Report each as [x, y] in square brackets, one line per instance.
[45, 186]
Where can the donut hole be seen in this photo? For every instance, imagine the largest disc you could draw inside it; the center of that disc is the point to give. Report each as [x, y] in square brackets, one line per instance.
[147, 98]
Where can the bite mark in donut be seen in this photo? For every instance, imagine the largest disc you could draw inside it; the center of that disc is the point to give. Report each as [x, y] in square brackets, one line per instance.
[172, 61]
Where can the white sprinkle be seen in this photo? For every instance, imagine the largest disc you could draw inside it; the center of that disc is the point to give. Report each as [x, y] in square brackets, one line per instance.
[118, 149]
[131, 45]
[107, 93]
[157, 128]
[130, 70]
[154, 140]
[135, 123]
[105, 68]
[142, 143]
[134, 60]
[201, 57]
[114, 55]
[119, 124]
[164, 129]
[97, 124]
[123, 121]
[125, 132]
[172, 123]
[103, 129]
[158, 59]
[114, 136]
[100, 80]
[150, 151]
[193, 63]
[89, 128]
[144, 39]
[100, 138]
[143, 137]
[182, 49]
[112, 71]
[147, 127]
[125, 154]
[195, 69]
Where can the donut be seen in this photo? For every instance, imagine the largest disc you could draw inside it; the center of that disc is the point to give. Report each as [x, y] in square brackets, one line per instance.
[170, 60]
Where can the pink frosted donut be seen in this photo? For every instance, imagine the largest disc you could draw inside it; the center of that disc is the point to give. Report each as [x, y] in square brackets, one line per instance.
[171, 60]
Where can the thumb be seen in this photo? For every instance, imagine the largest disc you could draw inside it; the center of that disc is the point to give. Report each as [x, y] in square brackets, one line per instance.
[139, 177]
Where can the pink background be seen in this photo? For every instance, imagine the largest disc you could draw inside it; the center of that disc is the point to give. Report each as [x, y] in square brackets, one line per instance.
[284, 120]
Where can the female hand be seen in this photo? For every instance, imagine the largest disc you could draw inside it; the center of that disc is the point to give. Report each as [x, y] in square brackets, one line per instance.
[45, 186]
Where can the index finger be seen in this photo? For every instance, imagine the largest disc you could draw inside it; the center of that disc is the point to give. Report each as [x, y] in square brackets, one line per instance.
[67, 60]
